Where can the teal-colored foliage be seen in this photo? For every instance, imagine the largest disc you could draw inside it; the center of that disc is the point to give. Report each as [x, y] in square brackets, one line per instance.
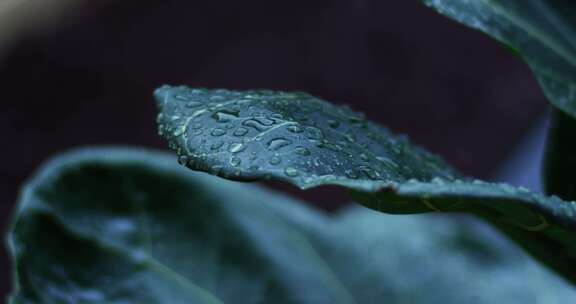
[119, 225]
[130, 225]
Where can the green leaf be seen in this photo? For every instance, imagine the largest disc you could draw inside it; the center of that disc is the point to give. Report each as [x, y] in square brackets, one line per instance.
[286, 136]
[128, 226]
[560, 156]
[307, 142]
[542, 32]
[121, 226]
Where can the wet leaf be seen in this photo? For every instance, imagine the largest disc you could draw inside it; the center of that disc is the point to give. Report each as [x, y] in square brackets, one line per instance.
[128, 226]
[287, 136]
[384, 172]
[542, 32]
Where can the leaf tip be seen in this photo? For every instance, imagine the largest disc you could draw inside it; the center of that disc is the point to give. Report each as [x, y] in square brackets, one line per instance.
[161, 95]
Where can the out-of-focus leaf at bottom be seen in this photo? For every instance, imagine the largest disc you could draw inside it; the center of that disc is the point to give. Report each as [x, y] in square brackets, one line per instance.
[129, 226]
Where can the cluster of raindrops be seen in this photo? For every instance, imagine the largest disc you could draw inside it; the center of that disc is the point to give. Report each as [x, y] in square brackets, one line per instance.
[261, 134]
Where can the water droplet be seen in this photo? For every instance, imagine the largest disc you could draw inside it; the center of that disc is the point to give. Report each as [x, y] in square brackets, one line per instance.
[225, 116]
[235, 161]
[178, 132]
[302, 151]
[291, 172]
[183, 160]
[258, 123]
[313, 133]
[216, 169]
[275, 160]
[218, 132]
[278, 143]
[241, 131]
[236, 147]
[351, 174]
[217, 145]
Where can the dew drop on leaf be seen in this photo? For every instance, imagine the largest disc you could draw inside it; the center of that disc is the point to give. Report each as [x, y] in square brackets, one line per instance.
[183, 160]
[218, 132]
[313, 133]
[241, 131]
[225, 116]
[237, 147]
[291, 172]
[351, 174]
[235, 161]
[275, 160]
[258, 123]
[278, 143]
[217, 145]
[178, 132]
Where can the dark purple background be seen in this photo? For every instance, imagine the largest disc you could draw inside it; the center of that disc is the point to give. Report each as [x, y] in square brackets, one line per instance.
[451, 89]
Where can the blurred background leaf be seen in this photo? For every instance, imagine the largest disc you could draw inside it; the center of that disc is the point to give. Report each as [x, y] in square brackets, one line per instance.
[164, 234]
[542, 32]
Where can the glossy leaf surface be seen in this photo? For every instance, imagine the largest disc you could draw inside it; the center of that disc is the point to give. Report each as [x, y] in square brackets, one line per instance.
[543, 32]
[384, 172]
[286, 136]
[129, 226]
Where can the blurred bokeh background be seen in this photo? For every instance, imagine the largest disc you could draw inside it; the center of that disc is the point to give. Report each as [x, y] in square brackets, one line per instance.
[79, 72]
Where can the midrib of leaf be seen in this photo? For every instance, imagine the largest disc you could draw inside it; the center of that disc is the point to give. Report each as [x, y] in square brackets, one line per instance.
[144, 259]
[531, 30]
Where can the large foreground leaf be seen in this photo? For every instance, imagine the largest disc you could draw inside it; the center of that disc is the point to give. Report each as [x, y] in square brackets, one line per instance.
[128, 226]
[305, 141]
[543, 32]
